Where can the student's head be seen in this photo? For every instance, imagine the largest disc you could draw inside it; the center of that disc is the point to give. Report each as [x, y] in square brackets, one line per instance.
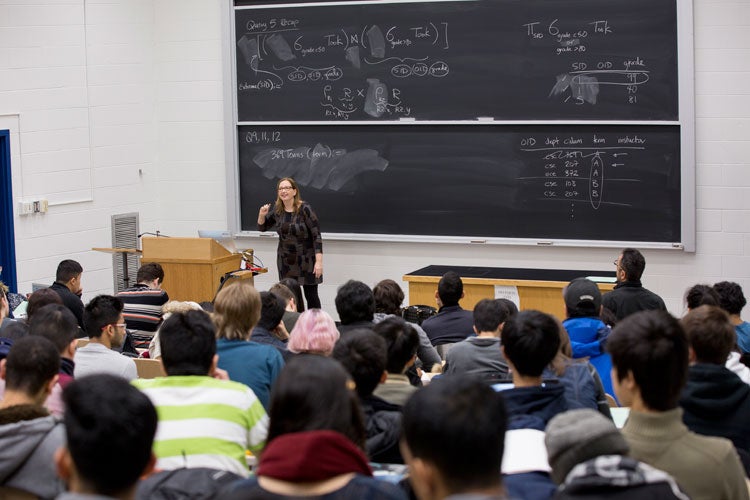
[31, 367]
[582, 298]
[450, 289]
[57, 324]
[576, 436]
[188, 343]
[103, 316]
[151, 274]
[236, 311]
[701, 295]
[293, 285]
[530, 342]
[315, 393]
[731, 298]
[286, 295]
[710, 334]
[649, 352]
[453, 435]
[510, 306]
[388, 297]
[15, 330]
[364, 354]
[69, 273]
[354, 302]
[631, 264]
[402, 342]
[271, 310]
[39, 299]
[314, 332]
[110, 427]
[489, 315]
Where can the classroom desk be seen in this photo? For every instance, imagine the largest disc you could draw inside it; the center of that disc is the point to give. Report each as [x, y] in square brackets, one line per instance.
[539, 289]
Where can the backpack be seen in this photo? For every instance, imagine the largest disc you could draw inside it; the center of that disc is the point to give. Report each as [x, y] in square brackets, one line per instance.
[417, 314]
[200, 483]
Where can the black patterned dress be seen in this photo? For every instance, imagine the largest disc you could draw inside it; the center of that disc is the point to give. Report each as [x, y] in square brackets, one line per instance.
[299, 241]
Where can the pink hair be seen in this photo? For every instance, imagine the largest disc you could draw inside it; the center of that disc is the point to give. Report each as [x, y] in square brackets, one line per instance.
[315, 332]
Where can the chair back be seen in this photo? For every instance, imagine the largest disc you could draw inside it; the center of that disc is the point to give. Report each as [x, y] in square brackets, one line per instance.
[149, 368]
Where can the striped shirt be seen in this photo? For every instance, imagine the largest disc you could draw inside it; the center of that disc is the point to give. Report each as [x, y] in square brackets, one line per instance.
[143, 307]
[204, 422]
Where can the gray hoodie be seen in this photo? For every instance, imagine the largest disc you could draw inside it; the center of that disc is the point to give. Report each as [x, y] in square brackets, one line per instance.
[27, 448]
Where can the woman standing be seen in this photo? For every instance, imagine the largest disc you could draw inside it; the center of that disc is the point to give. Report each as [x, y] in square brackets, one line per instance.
[300, 253]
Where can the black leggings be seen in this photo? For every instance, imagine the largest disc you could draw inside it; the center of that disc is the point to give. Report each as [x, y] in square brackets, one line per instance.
[311, 296]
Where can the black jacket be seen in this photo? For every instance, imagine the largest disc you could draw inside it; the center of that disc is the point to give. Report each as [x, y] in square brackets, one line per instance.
[71, 301]
[382, 429]
[451, 324]
[629, 297]
[716, 402]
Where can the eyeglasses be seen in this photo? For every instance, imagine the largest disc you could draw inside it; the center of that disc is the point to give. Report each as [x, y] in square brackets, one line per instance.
[616, 263]
[119, 325]
[286, 188]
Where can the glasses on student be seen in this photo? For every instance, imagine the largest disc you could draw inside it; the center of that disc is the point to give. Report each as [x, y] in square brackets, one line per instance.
[286, 188]
[617, 264]
[119, 325]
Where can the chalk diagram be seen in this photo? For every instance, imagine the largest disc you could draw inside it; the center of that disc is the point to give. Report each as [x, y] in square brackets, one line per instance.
[283, 57]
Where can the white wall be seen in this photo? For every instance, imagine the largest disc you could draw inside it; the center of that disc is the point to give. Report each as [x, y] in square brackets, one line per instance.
[153, 101]
[76, 89]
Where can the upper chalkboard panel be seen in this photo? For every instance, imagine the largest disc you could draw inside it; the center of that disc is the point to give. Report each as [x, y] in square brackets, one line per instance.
[458, 60]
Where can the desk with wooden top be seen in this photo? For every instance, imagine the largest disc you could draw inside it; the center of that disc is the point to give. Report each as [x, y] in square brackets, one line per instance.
[539, 289]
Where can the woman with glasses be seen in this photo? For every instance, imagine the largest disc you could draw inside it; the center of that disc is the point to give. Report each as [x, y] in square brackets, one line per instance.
[300, 251]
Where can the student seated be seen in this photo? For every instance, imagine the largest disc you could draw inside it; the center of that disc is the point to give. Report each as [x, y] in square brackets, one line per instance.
[588, 334]
[57, 324]
[732, 300]
[388, 299]
[107, 449]
[105, 325]
[452, 323]
[402, 342]
[203, 422]
[29, 435]
[364, 355]
[530, 341]
[355, 305]
[316, 439]
[589, 459]
[270, 329]
[481, 355]
[236, 312]
[314, 332]
[453, 438]
[649, 368]
[715, 401]
[704, 295]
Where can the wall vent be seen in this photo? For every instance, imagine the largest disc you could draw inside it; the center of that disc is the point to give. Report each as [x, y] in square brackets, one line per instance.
[125, 230]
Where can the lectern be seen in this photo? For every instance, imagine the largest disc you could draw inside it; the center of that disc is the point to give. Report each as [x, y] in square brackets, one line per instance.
[193, 267]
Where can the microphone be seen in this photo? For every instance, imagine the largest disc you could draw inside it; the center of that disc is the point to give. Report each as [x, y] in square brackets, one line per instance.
[157, 234]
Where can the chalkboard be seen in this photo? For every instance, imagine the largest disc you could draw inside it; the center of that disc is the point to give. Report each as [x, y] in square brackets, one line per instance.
[458, 60]
[576, 182]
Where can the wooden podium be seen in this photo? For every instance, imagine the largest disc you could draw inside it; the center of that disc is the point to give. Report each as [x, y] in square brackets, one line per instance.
[193, 267]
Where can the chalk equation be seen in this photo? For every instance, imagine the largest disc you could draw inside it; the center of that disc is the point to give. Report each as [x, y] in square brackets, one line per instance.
[577, 168]
[457, 60]
[280, 52]
[582, 83]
